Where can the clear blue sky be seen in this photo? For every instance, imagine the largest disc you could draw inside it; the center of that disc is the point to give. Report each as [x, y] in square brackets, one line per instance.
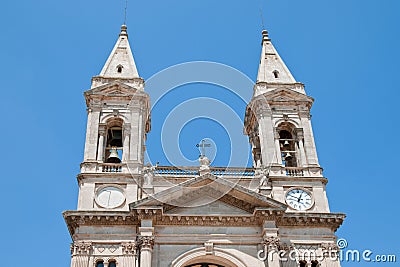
[346, 52]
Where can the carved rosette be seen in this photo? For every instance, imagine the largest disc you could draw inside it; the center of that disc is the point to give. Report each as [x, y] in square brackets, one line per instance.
[81, 248]
[271, 242]
[146, 242]
[129, 248]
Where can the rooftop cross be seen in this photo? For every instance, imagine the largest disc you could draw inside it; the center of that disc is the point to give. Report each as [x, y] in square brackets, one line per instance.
[203, 146]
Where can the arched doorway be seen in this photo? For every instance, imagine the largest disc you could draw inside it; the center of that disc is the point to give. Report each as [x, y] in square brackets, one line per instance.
[198, 258]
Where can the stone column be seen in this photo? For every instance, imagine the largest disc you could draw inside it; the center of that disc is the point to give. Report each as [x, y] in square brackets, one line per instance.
[129, 257]
[309, 144]
[266, 134]
[126, 137]
[146, 250]
[81, 252]
[92, 134]
[100, 147]
[302, 153]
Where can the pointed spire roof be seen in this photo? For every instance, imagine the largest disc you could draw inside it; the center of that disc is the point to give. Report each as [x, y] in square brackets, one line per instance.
[120, 63]
[272, 69]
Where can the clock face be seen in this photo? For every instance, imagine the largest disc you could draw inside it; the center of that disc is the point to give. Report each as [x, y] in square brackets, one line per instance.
[299, 199]
[110, 197]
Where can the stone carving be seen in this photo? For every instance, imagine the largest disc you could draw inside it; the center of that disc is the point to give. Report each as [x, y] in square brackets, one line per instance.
[129, 248]
[148, 175]
[209, 247]
[272, 242]
[81, 248]
[146, 242]
[204, 165]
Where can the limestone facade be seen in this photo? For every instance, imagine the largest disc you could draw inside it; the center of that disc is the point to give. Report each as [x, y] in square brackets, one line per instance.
[133, 215]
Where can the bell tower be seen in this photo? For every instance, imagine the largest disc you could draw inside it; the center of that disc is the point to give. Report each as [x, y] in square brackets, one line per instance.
[278, 123]
[118, 121]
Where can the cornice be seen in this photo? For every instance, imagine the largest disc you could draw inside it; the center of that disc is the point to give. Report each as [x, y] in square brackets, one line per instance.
[257, 218]
[75, 219]
[298, 179]
[331, 220]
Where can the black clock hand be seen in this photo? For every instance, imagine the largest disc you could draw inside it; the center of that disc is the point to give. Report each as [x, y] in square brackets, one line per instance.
[298, 200]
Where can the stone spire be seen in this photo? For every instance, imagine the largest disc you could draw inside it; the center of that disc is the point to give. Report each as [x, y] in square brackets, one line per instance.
[272, 69]
[120, 64]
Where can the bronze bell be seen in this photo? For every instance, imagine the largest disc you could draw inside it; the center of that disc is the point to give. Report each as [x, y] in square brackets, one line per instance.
[113, 158]
[288, 156]
[286, 143]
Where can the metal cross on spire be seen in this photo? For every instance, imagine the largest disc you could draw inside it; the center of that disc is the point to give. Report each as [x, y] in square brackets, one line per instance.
[203, 146]
[125, 10]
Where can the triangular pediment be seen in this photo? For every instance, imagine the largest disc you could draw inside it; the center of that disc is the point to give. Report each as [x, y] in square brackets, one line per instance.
[115, 88]
[207, 195]
[286, 95]
[207, 205]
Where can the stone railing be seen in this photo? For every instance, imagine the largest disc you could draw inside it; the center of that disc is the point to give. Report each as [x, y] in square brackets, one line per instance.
[194, 171]
[294, 171]
[110, 167]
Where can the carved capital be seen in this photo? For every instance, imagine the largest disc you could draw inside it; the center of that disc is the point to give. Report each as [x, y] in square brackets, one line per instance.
[276, 133]
[129, 248]
[81, 248]
[299, 133]
[271, 242]
[102, 129]
[146, 242]
[127, 129]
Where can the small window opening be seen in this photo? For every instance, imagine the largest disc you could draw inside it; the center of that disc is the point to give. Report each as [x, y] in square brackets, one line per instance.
[303, 263]
[100, 263]
[119, 69]
[112, 263]
[314, 264]
[276, 74]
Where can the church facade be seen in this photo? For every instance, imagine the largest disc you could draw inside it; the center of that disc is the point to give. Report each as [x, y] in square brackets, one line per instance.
[129, 214]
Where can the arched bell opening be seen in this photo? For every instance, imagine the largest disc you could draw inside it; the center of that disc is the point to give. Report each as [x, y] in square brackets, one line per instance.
[288, 145]
[114, 142]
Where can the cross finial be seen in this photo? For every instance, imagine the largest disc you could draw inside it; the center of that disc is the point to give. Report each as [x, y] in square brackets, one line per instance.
[203, 146]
